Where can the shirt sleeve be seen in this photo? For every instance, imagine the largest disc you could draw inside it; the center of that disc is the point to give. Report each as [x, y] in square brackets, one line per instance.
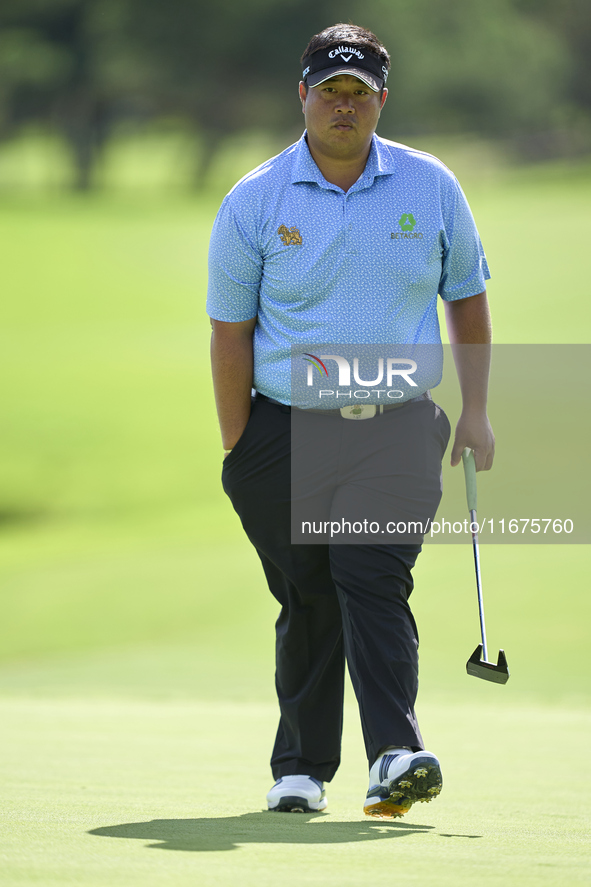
[464, 267]
[235, 269]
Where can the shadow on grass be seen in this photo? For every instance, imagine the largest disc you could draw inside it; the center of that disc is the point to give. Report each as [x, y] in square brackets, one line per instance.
[15, 516]
[227, 832]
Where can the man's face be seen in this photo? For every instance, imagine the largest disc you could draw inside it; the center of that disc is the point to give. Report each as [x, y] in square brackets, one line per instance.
[341, 115]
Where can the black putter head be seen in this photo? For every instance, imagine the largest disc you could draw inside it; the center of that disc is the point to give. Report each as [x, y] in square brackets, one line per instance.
[488, 671]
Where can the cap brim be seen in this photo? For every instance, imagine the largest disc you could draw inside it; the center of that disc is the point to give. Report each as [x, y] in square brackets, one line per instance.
[319, 77]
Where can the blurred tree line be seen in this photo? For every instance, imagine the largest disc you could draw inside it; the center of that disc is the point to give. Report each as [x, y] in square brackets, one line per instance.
[518, 69]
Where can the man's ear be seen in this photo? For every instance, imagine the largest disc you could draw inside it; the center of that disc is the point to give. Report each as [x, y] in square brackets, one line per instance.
[384, 97]
[303, 94]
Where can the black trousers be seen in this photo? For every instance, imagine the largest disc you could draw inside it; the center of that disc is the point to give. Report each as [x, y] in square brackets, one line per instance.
[336, 601]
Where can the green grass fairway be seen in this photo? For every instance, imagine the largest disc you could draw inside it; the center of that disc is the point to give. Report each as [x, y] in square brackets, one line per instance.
[136, 640]
[95, 790]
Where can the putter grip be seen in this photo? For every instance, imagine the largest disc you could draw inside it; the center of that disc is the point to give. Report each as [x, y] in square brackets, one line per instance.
[470, 475]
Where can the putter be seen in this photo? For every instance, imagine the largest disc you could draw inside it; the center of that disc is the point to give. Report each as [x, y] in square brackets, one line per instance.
[477, 666]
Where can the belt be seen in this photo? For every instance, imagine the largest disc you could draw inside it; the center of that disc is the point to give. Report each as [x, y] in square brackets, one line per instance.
[353, 411]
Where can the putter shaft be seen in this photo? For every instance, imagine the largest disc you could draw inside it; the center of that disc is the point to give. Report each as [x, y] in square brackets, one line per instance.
[475, 549]
[476, 666]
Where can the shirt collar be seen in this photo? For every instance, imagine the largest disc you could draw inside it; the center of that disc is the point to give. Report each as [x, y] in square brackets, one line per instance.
[379, 163]
[304, 168]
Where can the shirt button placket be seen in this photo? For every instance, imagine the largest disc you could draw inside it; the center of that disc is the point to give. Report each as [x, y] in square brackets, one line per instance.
[348, 227]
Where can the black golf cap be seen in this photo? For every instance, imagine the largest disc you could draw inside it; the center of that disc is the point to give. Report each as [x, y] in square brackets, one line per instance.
[345, 59]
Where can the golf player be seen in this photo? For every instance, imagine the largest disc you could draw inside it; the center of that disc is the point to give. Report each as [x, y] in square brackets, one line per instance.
[308, 248]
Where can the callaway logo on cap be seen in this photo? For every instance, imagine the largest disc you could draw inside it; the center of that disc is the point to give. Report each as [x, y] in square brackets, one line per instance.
[326, 63]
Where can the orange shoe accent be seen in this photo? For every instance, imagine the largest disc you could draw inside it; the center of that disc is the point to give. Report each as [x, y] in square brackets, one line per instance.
[388, 810]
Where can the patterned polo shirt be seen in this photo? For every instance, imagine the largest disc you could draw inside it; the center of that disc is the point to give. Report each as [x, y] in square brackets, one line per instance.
[316, 264]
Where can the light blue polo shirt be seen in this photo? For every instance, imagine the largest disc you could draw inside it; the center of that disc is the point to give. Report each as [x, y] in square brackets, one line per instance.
[316, 264]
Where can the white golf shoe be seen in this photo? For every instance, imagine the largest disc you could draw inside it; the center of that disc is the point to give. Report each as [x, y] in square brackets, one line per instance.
[400, 777]
[297, 794]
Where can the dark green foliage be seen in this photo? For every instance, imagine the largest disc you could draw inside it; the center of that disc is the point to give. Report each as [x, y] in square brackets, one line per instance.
[506, 67]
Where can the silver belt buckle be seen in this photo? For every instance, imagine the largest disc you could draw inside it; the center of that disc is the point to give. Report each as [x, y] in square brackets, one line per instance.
[359, 411]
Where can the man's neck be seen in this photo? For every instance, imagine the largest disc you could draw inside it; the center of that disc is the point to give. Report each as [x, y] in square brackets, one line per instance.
[340, 171]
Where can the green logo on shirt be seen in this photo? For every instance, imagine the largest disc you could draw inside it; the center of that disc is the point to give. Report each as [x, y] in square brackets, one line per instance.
[407, 221]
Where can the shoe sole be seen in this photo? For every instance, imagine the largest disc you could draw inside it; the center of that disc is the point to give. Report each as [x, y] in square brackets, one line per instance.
[293, 804]
[421, 782]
